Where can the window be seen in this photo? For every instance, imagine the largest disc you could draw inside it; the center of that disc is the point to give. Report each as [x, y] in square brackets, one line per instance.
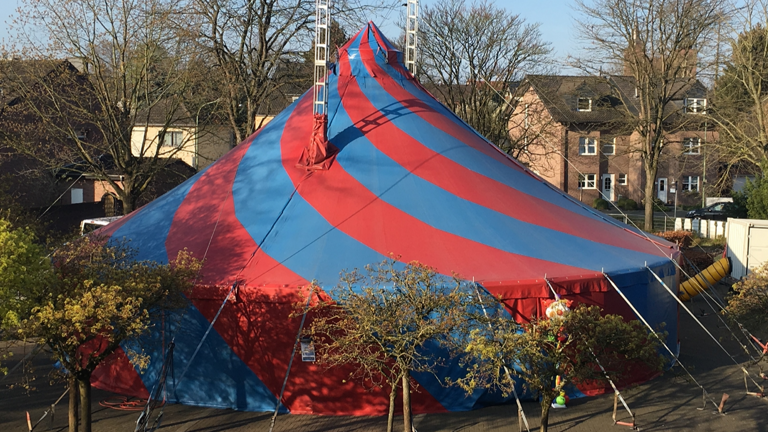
[622, 179]
[692, 146]
[587, 181]
[696, 106]
[690, 183]
[172, 139]
[587, 146]
[609, 147]
[76, 196]
[584, 104]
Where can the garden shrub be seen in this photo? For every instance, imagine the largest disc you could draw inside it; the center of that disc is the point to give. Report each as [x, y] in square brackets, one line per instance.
[601, 204]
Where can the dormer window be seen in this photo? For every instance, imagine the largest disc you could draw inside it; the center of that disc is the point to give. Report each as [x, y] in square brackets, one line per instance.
[692, 146]
[584, 104]
[695, 106]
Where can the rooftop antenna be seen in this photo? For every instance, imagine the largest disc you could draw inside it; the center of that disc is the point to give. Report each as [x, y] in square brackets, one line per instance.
[411, 34]
[318, 154]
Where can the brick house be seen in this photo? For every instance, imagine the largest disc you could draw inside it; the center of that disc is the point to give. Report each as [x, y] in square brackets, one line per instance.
[39, 184]
[582, 139]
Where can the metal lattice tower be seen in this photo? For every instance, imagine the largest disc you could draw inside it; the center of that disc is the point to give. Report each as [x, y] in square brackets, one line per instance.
[411, 34]
[322, 40]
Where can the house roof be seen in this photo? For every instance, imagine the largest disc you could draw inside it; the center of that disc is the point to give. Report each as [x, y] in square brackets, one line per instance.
[280, 99]
[24, 73]
[611, 96]
[169, 111]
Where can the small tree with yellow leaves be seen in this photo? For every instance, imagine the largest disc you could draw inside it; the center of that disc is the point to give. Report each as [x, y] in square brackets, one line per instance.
[101, 296]
[568, 345]
[380, 321]
[748, 305]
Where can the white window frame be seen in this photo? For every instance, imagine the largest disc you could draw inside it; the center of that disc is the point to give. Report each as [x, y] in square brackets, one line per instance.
[621, 179]
[172, 139]
[584, 146]
[612, 144]
[689, 148]
[689, 185]
[589, 104]
[587, 181]
[695, 106]
[526, 122]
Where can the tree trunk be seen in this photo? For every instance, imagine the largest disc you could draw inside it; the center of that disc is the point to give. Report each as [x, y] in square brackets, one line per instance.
[73, 400]
[391, 416]
[545, 406]
[84, 385]
[407, 427]
[650, 177]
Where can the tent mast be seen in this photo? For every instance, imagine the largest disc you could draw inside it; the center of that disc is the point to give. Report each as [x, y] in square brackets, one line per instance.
[318, 154]
[322, 33]
[411, 34]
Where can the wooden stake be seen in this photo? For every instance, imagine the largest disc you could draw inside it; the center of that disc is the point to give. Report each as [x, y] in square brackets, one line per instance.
[722, 403]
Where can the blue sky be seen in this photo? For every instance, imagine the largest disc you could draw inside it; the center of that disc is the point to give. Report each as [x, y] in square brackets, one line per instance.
[555, 17]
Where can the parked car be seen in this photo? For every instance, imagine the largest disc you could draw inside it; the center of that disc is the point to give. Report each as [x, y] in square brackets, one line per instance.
[718, 211]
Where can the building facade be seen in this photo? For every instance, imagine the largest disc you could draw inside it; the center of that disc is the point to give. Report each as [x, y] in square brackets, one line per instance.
[583, 139]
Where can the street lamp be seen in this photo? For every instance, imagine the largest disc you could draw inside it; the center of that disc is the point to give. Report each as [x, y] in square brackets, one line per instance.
[197, 131]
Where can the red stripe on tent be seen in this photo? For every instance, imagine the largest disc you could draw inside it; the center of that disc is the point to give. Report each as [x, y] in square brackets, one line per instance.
[207, 217]
[419, 108]
[468, 184]
[117, 374]
[257, 324]
[353, 209]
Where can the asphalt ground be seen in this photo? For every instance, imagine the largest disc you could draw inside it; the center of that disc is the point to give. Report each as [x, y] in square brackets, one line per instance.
[670, 402]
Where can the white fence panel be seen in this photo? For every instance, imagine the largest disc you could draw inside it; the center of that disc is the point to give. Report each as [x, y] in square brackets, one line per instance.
[704, 228]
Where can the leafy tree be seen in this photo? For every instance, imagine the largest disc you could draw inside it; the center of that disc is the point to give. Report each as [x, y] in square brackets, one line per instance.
[749, 302]
[567, 346]
[754, 198]
[24, 269]
[100, 297]
[739, 106]
[380, 321]
[471, 54]
[659, 44]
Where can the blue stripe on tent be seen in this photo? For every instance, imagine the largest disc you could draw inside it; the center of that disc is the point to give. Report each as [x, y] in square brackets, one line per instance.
[438, 208]
[149, 228]
[650, 298]
[217, 377]
[316, 250]
[494, 169]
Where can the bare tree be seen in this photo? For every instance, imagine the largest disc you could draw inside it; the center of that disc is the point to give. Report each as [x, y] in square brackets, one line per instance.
[128, 72]
[473, 55]
[739, 107]
[657, 42]
[249, 41]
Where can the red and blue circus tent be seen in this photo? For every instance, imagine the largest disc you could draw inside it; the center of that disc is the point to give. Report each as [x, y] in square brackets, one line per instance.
[409, 178]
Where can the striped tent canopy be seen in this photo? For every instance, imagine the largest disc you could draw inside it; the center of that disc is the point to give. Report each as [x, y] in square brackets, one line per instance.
[409, 178]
